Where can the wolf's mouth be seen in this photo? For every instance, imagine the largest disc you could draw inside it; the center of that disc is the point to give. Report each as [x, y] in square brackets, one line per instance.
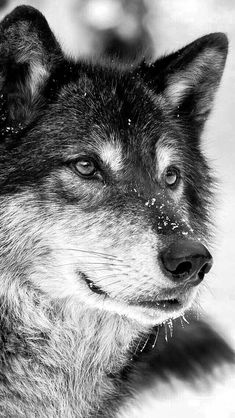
[96, 289]
[164, 304]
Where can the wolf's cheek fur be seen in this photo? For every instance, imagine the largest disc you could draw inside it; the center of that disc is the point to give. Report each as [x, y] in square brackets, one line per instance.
[117, 255]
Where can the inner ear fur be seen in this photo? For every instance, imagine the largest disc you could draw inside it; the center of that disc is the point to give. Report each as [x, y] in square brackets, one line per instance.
[187, 79]
[28, 51]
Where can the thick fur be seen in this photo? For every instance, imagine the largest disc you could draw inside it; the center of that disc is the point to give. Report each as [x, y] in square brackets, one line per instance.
[80, 270]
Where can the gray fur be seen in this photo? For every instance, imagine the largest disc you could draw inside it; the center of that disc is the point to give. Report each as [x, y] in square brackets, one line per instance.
[63, 346]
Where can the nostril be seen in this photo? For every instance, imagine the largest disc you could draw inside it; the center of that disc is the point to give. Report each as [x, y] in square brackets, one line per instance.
[186, 260]
[205, 269]
[183, 268]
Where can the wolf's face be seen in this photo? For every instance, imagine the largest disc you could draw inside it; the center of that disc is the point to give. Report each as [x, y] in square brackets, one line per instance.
[105, 194]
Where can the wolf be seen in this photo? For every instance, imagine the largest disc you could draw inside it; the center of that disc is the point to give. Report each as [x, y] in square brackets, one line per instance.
[105, 222]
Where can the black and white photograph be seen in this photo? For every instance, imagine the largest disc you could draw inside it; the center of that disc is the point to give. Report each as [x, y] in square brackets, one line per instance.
[117, 209]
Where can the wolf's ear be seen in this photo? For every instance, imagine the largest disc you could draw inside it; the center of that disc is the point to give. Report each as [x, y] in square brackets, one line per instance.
[28, 51]
[188, 78]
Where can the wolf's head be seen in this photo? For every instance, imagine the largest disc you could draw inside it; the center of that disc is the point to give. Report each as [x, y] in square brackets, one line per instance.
[105, 194]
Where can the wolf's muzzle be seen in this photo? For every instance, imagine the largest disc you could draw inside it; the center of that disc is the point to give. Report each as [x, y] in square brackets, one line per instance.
[186, 261]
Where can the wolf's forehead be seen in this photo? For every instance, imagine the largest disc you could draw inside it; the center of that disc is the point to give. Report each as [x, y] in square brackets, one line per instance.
[112, 154]
[115, 155]
[166, 152]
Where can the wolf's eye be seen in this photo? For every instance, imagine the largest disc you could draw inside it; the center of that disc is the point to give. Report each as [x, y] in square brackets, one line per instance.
[172, 176]
[85, 167]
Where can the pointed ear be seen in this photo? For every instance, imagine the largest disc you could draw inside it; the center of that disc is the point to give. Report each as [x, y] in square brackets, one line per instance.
[188, 78]
[28, 51]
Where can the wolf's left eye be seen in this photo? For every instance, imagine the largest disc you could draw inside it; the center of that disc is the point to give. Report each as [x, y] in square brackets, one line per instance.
[171, 176]
[85, 167]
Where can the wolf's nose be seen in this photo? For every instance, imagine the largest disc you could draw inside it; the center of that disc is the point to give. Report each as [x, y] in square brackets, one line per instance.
[186, 261]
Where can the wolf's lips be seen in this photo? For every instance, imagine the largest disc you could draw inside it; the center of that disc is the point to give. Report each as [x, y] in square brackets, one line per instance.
[163, 304]
[92, 286]
[169, 304]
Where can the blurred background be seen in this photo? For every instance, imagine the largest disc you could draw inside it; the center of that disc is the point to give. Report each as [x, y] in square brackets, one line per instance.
[133, 28]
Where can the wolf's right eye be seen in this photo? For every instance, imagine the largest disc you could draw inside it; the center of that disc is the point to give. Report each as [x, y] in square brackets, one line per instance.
[85, 167]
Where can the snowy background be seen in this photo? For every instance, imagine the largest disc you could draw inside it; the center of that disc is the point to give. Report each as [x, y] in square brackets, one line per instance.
[82, 26]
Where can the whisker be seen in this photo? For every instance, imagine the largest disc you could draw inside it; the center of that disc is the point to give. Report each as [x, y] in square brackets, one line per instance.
[170, 324]
[166, 335]
[185, 320]
[108, 276]
[117, 281]
[92, 264]
[156, 337]
[124, 289]
[96, 253]
[104, 264]
[146, 342]
[136, 349]
[72, 264]
[97, 269]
